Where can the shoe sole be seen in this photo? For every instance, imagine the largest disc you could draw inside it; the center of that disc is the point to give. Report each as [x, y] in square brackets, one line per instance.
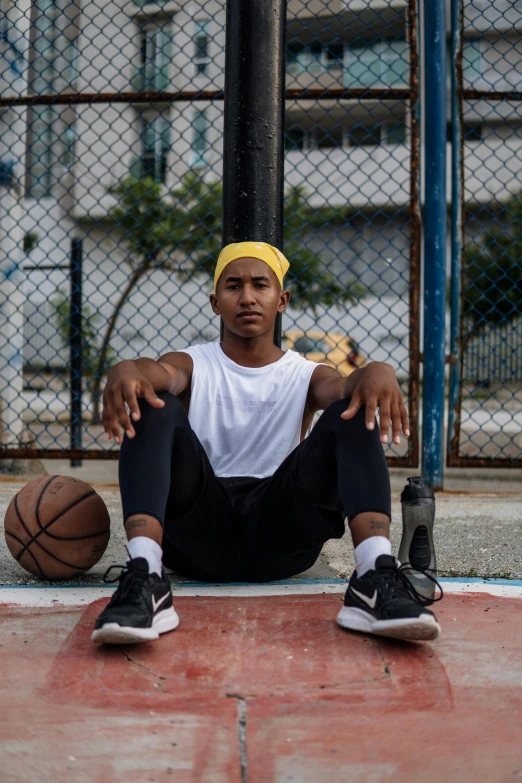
[113, 633]
[423, 586]
[416, 629]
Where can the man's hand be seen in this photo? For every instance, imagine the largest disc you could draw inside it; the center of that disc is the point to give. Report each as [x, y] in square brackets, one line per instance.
[376, 387]
[125, 384]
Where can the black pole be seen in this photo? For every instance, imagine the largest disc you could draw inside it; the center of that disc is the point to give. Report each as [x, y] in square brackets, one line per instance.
[76, 348]
[253, 160]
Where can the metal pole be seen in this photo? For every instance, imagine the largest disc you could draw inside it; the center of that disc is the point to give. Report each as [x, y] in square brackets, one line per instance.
[76, 348]
[434, 240]
[456, 220]
[253, 160]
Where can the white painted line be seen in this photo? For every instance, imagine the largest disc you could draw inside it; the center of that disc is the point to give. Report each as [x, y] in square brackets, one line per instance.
[73, 596]
[503, 591]
[245, 591]
[52, 596]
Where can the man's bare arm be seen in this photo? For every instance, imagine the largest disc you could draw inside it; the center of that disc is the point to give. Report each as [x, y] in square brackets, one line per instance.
[129, 380]
[374, 386]
[327, 386]
[179, 367]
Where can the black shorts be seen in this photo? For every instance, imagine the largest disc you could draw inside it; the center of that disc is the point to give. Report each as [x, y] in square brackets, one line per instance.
[244, 528]
[249, 529]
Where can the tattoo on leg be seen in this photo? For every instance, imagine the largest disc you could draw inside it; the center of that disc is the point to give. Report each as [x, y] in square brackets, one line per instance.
[133, 524]
[376, 524]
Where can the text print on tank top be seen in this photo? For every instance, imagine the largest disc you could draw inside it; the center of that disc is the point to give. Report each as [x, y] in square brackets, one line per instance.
[248, 419]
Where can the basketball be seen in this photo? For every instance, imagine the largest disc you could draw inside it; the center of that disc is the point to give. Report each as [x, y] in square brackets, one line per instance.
[57, 527]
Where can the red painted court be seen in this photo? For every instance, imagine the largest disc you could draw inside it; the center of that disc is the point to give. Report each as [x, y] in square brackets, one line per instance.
[264, 690]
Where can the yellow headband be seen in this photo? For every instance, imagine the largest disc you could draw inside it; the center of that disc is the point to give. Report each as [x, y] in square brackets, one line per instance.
[261, 250]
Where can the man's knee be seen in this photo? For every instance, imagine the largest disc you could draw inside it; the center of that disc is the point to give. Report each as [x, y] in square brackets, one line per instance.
[331, 417]
[172, 410]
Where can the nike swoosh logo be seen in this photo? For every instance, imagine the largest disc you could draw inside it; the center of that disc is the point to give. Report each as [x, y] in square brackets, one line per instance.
[370, 601]
[157, 603]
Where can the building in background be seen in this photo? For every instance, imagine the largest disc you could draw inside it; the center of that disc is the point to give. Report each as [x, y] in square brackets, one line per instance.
[350, 156]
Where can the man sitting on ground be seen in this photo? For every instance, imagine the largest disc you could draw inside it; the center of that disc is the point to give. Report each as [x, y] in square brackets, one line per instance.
[222, 478]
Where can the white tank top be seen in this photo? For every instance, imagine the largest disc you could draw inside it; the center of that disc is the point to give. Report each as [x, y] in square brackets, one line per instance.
[248, 419]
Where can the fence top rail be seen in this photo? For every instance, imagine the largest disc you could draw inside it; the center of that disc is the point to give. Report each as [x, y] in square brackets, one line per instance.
[470, 94]
[353, 93]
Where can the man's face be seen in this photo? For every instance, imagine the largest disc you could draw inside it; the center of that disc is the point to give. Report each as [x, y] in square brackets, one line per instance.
[248, 297]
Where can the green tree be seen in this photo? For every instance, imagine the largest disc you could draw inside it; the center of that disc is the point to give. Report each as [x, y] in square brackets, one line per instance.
[180, 231]
[142, 220]
[492, 280]
[30, 241]
[62, 305]
[309, 281]
[197, 224]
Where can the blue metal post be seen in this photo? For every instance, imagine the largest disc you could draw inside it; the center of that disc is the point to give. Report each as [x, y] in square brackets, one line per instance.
[456, 211]
[434, 240]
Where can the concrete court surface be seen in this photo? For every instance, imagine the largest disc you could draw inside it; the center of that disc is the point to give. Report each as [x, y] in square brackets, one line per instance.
[262, 689]
[478, 527]
[259, 684]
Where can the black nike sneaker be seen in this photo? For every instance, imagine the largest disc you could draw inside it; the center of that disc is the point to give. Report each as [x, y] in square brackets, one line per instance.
[140, 609]
[384, 602]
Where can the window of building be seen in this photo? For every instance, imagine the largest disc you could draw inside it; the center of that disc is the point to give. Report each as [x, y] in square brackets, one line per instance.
[396, 133]
[155, 146]
[328, 138]
[472, 131]
[201, 43]
[141, 3]
[41, 135]
[152, 72]
[364, 135]
[69, 147]
[333, 56]
[319, 137]
[292, 56]
[71, 72]
[305, 59]
[294, 139]
[199, 139]
[472, 59]
[53, 67]
[314, 58]
[376, 63]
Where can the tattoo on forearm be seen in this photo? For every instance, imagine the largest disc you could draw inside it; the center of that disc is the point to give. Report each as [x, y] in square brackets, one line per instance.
[376, 524]
[132, 524]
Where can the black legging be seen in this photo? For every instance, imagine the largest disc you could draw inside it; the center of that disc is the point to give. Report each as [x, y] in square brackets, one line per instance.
[248, 528]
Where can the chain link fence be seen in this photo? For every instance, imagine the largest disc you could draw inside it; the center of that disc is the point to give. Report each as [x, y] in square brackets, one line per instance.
[111, 120]
[488, 397]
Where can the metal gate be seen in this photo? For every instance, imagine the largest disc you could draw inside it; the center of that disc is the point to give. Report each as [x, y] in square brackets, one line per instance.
[110, 199]
[485, 399]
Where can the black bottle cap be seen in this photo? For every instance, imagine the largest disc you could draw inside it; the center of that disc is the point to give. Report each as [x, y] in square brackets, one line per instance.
[416, 488]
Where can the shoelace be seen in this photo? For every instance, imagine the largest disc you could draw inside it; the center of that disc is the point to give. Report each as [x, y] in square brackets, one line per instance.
[404, 585]
[128, 587]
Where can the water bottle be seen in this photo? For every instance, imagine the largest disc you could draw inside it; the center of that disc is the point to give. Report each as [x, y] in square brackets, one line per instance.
[417, 548]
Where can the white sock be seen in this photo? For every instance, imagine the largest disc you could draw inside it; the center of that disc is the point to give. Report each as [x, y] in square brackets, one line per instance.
[367, 552]
[142, 546]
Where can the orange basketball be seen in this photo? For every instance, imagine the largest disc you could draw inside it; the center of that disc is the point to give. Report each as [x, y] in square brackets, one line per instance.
[57, 527]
